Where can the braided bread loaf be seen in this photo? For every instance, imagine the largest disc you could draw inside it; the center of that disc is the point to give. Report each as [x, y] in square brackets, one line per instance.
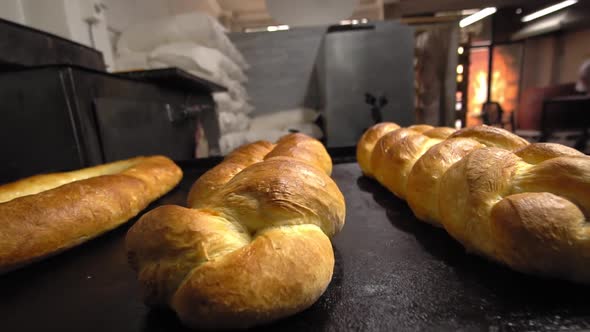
[253, 247]
[45, 214]
[520, 204]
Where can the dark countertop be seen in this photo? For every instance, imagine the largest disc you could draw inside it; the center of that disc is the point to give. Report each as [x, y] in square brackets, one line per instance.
[392, 273]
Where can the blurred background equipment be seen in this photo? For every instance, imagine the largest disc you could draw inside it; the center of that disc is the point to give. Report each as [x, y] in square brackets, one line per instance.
[84, 82]
[507, 63]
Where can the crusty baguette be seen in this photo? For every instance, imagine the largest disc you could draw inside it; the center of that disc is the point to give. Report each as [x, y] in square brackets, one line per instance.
[43, 215]
[523, 205]
[255, 244]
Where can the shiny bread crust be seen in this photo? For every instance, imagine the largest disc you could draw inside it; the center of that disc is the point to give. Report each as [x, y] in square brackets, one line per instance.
[43, 215]
[523, 205]
[253, 246]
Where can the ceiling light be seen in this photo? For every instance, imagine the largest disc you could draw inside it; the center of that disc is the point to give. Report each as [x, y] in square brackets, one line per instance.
[273, 28]
[477, 16]
[548, 10]
[466, 12]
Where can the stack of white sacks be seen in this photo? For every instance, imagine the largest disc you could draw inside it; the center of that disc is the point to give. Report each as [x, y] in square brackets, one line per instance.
[197, 43]
[194, 42]
[241, 129]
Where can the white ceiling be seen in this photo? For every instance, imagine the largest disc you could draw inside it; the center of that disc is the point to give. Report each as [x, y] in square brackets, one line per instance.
[259, 5]
[253, 13]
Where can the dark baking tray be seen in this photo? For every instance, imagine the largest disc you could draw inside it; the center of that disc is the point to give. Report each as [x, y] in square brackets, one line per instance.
[392, 273]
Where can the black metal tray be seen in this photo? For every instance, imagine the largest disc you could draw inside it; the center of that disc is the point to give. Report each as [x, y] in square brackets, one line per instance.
[24, 46]
[392, 273]
[174, 78]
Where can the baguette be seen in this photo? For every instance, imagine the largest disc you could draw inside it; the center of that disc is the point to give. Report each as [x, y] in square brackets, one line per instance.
[43, 215]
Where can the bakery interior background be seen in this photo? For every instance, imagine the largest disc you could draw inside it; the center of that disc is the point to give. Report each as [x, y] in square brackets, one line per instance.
[251, 70]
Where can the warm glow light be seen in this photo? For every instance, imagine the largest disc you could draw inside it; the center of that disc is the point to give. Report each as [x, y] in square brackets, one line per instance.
[481, 91]
[458, 124]
[364, 20]
[460, 50]
[548, 10]
[460, 69]
[477, 85]
[477, 16]
[459, 78]
[505, 77]
[504, 81]
[355, 21]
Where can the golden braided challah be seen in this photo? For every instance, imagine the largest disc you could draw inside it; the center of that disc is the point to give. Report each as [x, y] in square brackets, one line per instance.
[253, 247]
[520, 204]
